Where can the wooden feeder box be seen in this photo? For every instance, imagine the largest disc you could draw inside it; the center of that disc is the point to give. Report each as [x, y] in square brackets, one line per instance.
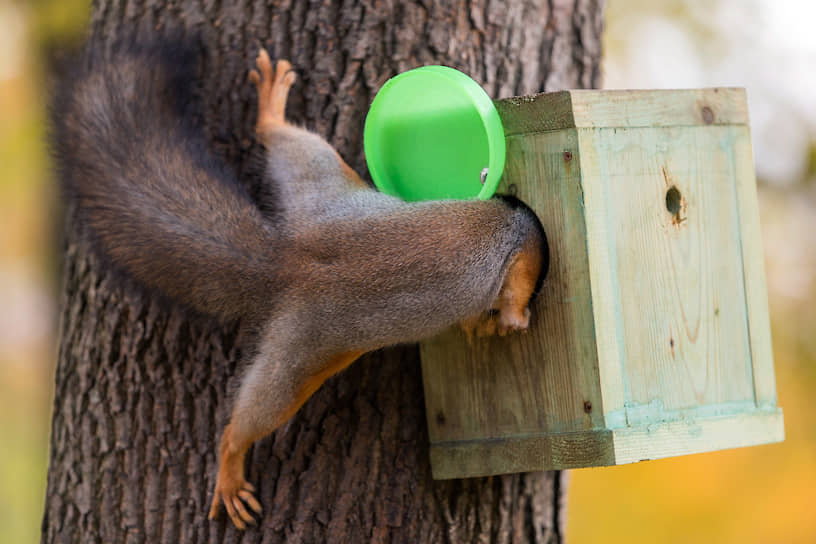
[650, 337]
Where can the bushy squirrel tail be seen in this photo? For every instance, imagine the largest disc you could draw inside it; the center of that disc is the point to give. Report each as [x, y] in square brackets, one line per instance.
[147, 191]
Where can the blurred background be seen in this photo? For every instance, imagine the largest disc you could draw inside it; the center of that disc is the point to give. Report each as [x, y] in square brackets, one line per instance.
[764, 493]
[29, 259]
[760, 494]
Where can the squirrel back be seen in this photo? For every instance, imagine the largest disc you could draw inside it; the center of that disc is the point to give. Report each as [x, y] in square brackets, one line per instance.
[149, 193]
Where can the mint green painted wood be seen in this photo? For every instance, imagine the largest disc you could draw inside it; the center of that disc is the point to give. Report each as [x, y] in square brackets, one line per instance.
[754, 273]
[651, 336]
[678, 292]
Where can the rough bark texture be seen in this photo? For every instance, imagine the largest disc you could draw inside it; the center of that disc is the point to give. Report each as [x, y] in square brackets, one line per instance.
[142, 390]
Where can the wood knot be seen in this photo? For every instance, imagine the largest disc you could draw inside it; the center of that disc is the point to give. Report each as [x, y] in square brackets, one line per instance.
[674, 204]
[708, 115]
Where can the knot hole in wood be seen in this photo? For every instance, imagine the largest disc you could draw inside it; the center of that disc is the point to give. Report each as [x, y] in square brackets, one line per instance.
[673, 201]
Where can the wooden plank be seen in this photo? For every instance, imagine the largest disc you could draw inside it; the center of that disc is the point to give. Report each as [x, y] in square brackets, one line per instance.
[623, 109]
[521, 454]
[593, 448]
[677, 277]
[548, 178]
[756, 292]
[603, 280]
[544, 379]
[642, 443]
[542, 112]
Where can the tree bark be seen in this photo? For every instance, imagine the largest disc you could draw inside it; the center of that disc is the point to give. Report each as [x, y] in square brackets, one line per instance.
[142, 389]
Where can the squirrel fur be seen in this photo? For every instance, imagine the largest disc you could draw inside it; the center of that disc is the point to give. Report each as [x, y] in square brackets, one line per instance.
[338, 269]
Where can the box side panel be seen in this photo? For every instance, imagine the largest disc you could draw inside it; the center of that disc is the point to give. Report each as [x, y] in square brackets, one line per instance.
[544, 380]
[674, 438]
[756, 292]
[674, 243]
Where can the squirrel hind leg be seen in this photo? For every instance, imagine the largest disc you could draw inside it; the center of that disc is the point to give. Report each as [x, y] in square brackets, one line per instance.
[256, 414]
[273, 84]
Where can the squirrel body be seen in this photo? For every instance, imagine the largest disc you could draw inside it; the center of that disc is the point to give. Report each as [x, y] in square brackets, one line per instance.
[335, 270]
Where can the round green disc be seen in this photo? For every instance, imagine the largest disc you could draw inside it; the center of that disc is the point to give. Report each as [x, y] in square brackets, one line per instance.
[433, 133]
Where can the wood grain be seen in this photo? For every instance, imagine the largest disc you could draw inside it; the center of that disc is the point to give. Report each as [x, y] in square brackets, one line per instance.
[641, 443]
[604, 447]
[754, 270]
[678, 281]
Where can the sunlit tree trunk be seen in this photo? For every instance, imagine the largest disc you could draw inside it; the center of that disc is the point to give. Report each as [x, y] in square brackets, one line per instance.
[142, 389]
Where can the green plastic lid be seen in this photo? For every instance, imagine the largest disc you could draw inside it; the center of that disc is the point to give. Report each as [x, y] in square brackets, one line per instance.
[433, 133]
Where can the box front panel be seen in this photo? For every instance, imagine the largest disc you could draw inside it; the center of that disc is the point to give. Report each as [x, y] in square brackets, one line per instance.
[545, 379]
[668, 196]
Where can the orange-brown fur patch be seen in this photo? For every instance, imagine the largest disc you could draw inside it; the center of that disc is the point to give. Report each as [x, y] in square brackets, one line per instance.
[518, 287]
[313, 383]
[350, 174]
[512, 304]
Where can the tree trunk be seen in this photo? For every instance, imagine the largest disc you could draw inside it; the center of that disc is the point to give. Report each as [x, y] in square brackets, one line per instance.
[142, 389]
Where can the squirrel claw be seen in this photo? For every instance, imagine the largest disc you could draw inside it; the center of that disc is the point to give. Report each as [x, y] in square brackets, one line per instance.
[234, 499]
[247, 496]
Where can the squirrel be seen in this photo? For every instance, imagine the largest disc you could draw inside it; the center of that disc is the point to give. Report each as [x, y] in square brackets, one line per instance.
[336, 270]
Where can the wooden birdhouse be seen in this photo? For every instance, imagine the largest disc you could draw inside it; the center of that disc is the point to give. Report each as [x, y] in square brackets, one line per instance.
[650, 337]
